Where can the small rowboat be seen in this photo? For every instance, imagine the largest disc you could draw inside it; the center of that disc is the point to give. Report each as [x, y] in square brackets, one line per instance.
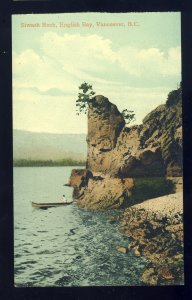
[48, 205]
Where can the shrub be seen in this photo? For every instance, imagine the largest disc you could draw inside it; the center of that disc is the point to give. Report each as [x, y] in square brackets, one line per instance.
[174, 97]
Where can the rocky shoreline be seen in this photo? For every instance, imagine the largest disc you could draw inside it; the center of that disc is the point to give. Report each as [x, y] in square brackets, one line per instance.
[156, 229]
[155, 226]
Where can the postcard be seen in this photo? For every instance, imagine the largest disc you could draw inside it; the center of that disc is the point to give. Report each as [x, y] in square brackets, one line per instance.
[97, 144]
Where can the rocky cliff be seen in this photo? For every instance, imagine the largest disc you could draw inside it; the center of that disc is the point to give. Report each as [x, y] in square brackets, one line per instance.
[151, 149]
[121, 158]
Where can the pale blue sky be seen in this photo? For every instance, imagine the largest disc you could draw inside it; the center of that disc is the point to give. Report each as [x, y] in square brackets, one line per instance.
[135, 67]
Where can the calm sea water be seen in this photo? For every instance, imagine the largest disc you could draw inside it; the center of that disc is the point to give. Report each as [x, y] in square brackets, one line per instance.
[65, 246]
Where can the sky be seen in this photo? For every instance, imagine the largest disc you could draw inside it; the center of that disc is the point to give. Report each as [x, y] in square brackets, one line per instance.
[135, 67]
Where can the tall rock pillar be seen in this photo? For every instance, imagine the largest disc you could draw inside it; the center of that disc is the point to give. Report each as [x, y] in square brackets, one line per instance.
[105, 123]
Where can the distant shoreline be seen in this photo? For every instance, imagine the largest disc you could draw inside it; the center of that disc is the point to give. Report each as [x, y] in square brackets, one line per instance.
[68, 162]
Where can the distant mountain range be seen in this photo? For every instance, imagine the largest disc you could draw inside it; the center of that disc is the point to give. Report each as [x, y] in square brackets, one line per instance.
[45, 146]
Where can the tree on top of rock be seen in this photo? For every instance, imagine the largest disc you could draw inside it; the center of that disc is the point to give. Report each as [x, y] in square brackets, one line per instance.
[85, 95]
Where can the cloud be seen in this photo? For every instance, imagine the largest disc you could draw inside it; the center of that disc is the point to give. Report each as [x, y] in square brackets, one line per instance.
[32, 70]
[72, 58]
[95, 53]
[85, 52]
[68, 60]
[59, 69]
[150, 61]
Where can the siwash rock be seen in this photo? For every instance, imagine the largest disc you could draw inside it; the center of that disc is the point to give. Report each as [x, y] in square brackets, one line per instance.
[117, 152]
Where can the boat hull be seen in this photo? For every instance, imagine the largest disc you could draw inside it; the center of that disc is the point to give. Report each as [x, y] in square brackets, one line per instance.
[48, 205]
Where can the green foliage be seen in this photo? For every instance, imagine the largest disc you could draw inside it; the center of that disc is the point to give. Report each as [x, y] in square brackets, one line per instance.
[148, 188]
[47, 163]
[85, 94]
[128, 115]
[174, 96]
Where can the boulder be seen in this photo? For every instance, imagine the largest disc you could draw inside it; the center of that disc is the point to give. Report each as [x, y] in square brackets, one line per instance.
[122, 249]
[104, 194]
[76, 177]
[112, 220]
[149, 277]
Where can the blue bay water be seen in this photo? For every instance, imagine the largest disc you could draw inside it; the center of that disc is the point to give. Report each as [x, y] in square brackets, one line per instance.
[65, 246]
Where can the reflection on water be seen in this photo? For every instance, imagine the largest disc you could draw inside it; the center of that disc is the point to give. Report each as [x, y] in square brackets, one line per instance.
[65, 246]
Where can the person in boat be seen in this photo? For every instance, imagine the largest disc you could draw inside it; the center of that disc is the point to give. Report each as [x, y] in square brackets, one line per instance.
[64, 200]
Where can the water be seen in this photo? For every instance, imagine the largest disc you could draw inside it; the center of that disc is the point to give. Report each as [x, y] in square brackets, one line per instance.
[65, 246]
